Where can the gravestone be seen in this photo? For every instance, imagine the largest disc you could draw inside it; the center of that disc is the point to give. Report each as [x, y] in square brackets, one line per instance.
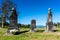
[49, 24]
[33, 26]
[13, 21]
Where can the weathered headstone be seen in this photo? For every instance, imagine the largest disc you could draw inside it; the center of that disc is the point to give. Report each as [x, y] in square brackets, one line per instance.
[49, 24]
[33, 26]
[13, 21]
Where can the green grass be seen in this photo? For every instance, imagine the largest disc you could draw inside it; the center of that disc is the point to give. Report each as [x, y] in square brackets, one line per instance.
[26, 35]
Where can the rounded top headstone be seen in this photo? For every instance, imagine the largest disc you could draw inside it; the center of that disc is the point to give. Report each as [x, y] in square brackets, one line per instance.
[33, 21]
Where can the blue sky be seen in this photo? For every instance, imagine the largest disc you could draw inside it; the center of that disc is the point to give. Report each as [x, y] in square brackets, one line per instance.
[38, 10]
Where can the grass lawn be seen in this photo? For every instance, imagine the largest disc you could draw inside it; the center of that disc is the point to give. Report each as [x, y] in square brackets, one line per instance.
[26, 35]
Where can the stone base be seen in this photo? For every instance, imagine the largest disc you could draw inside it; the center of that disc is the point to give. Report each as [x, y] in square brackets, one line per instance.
[10, 32]
[11, 27]
[33, 30]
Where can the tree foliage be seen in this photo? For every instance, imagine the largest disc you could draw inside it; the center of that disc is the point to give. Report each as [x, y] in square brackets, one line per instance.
[5, 9]
[24, 25]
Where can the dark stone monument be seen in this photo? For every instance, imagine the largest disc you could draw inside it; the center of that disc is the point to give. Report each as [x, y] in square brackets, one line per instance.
[33, 26]
[49, 24]
[13, 21]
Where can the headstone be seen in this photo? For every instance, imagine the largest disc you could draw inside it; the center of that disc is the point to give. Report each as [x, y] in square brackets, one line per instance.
[49, 24]
[13, 21]
[33, 26]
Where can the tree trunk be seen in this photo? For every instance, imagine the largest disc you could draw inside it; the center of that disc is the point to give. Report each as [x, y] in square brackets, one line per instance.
[2, 23]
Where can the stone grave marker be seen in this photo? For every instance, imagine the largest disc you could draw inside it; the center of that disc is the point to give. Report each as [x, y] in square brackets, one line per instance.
[33, 26]
[13, 22]
[49, 24]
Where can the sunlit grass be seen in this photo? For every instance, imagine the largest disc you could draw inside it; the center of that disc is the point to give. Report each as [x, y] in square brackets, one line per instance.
[26, 35]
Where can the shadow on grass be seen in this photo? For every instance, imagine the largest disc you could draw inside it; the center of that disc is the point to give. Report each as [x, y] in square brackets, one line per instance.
[40, 31]
[21, 32]
[44, 30]
[55, 30]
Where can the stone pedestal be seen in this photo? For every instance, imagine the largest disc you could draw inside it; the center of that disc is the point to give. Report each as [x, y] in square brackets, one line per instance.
[33, 26]
[49, 24]
[13, 21]
[49, 27]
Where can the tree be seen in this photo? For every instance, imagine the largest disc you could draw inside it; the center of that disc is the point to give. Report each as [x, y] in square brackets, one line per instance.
[6, 7]
[24, 25]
